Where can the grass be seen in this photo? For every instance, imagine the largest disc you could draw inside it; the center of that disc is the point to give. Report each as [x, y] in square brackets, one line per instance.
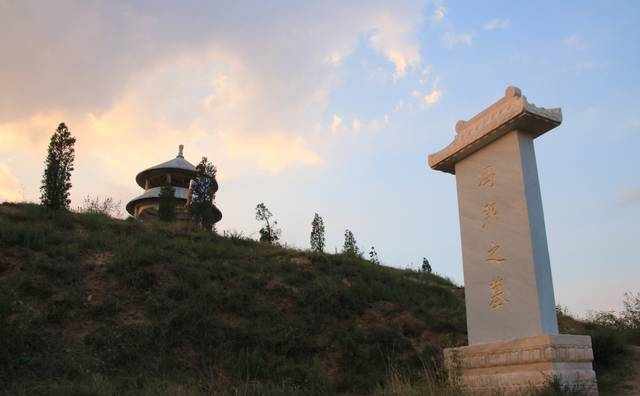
[94, 305]
[610, 341]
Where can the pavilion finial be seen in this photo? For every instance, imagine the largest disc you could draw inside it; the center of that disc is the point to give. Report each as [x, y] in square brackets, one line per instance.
[180, 148]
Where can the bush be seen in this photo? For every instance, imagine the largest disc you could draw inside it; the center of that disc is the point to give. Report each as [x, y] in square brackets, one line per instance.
[106, 206]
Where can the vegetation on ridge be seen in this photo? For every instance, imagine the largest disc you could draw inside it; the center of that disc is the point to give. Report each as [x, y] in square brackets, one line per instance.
[87, 299]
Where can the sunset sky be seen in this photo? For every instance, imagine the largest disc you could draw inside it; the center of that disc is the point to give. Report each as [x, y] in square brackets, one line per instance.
[332, 107]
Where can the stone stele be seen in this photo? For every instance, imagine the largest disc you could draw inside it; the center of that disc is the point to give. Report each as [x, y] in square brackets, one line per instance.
[514, 343]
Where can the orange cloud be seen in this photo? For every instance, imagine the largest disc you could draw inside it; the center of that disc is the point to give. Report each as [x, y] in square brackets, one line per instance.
[10, 189]
[395, 39]
[221, 93]
[272, 152]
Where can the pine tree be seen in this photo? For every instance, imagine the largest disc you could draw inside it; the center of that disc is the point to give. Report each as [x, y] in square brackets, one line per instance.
[373, 256]
[203, 189]
[350, 246]
[426, 267]
[317, 234]
[56, 181]
[167, 204]
[269, 233]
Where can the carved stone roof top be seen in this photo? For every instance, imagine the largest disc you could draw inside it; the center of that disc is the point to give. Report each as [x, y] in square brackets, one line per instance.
[512, 112]
[178, 164]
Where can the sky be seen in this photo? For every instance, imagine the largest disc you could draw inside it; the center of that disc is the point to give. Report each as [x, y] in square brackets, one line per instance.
[332, 107]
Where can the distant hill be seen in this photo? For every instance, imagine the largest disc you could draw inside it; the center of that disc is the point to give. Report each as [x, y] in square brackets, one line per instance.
[95, 305]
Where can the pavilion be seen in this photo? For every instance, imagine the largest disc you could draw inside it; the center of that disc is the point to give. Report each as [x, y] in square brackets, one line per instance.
[177, 172]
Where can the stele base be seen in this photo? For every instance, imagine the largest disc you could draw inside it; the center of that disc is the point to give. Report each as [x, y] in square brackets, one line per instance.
[519, 366]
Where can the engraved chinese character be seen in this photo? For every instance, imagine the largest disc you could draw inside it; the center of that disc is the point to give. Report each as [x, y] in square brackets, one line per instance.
[490, 213]
[487, 177]
[493, 254]
[498, 295]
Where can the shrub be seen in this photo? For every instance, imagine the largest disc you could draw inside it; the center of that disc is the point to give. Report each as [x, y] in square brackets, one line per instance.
[269, 233]
[105, 206]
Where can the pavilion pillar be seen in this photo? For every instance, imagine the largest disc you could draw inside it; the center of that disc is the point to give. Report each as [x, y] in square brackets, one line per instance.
[511, 320]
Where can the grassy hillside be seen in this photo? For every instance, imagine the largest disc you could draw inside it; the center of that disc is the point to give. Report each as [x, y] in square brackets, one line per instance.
[93, 305]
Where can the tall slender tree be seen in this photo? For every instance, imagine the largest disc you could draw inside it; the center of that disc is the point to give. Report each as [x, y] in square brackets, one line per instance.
[317, 234]
[350, 246]
[167, 204]
[203, 190]
[56, 181]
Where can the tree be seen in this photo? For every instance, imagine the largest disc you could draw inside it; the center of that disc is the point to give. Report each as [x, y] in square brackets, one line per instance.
[203, 190]
[631, 313]
[350, 246]
[373, 256]
[317, 234]
[167, 204]
[56, 181]
[106, 206]
[426, 267]
[269, 233]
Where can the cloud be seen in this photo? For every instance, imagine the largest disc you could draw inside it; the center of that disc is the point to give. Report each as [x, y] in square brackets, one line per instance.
[452, 39]
[629, 196]
[429, 98]
[439, 13]
[272, 152]
[585, 66]
[133, 81]
[10, 189]
[335, 58]
[424, 75]
[378, 124]
[433, 97]
[336, 123]
[575, 41]
[356, 125]
[397, 41]
[496, 24]
[115, 43]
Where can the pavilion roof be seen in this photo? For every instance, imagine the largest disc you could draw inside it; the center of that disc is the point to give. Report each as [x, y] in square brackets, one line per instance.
[154, 193]
[178, 164]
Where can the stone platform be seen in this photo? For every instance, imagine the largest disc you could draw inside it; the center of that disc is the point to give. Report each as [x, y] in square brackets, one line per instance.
[519, 365]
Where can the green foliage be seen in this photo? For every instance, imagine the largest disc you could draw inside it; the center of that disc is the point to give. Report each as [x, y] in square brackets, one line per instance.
[96, 205]
[56, 181]
[610, 337]
[105, 306]
[317, 234]
[350, 246]
[167, 203]
[269, 233]
[426, 266]
[373, 256]
[607, 340]
[203, 192]
[631, 316]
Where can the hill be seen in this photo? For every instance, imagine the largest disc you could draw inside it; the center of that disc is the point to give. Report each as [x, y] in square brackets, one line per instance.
[95, 305]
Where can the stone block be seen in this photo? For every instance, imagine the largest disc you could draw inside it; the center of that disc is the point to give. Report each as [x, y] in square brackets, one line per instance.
[517, 366]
